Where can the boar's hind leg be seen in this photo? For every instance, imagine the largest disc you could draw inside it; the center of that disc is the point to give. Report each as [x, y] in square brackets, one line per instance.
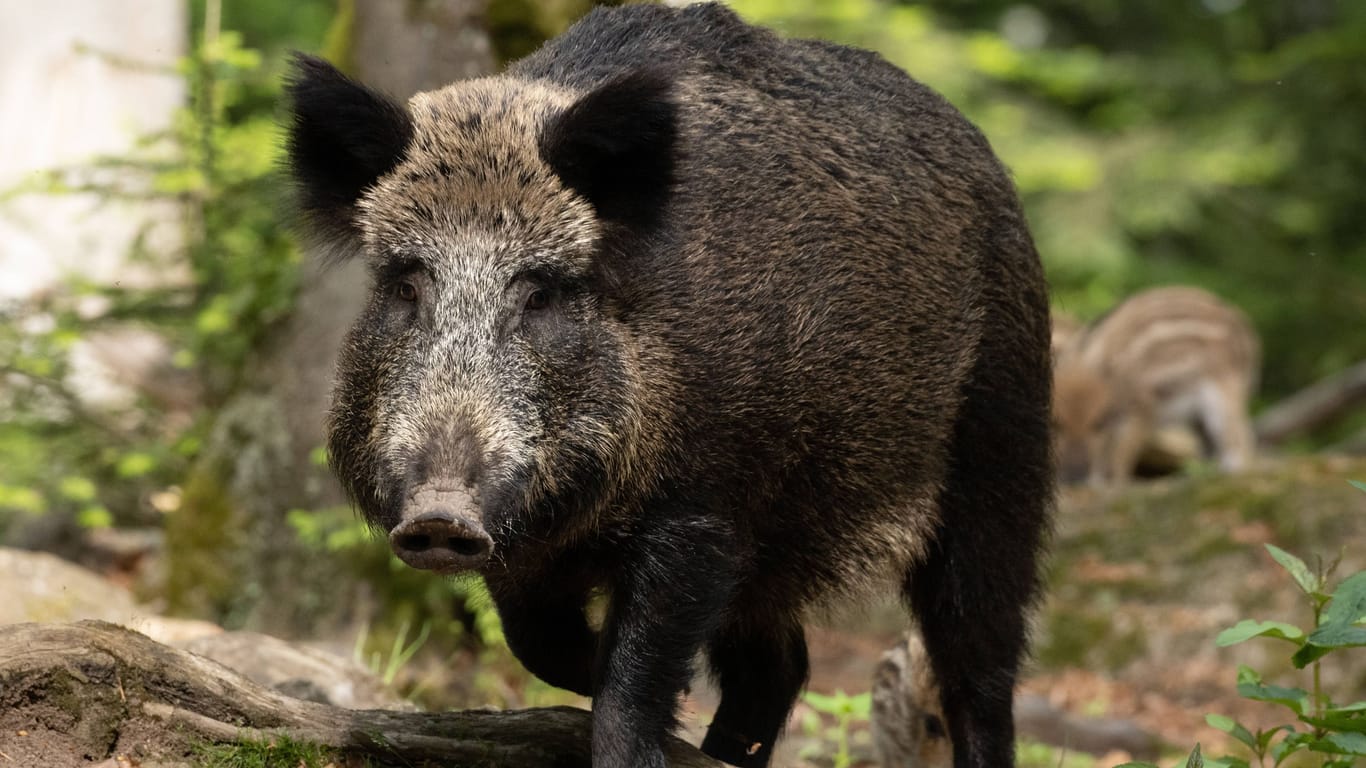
[760, 669]
[672, 583]
[546, 629]
[972, 593]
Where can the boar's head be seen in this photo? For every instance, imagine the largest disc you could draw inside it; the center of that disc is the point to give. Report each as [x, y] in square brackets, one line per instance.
[1099, 423]
[491, 384]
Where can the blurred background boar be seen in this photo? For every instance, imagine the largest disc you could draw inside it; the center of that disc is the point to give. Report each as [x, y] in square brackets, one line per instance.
[721, 324]
[1174, 356]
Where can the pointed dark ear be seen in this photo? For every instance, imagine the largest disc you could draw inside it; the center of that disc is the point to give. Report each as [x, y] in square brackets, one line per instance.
[615, 146]
[342, 138]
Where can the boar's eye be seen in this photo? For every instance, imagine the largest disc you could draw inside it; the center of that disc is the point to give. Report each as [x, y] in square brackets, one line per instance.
[538, 300]
[406, 291]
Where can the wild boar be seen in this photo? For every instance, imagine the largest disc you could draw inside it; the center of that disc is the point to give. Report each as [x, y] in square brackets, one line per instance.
[907, 718]
[1066, 329]
[1167, 356]
[723, 325]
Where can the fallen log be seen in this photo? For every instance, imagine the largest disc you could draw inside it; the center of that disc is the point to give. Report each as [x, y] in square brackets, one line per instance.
[71, 694]
[1313, 406]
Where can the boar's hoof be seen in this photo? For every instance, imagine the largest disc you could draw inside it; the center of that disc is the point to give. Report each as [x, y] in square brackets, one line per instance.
[440, 541]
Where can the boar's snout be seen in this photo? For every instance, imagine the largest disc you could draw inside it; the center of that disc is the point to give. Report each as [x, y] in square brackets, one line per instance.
[435, 536]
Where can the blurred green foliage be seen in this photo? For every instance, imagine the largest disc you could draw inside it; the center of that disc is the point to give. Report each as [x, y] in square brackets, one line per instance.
[1217, 143]
[846, 712]
[234, 276]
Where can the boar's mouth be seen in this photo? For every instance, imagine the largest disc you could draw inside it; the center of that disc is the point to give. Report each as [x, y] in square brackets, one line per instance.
[441, 530]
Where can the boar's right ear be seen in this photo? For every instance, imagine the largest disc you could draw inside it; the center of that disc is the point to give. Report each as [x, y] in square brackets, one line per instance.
[343, 137]
[615, 146]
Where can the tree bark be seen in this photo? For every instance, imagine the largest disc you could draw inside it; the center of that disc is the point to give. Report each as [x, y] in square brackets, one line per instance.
[418, 45]
[73, 693]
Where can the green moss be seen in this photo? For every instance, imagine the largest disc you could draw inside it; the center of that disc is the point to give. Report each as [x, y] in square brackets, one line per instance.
[339, 41]
[201, 537]
[1123, 648]
[1070, 636]
[281, 752]
[518, 27]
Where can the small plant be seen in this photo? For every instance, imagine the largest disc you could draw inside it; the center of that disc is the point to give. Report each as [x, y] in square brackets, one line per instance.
[1334, 733]
[387, 668]
[1337, 732]
[846, 710]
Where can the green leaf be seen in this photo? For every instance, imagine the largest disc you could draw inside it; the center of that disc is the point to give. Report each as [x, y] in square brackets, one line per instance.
[1233, 728]
[1250, 686]
[135, 464]
[1308, 654]
[1341, 744]
[1350, 719]
[21, 498]
[1195, 760]
[1338, 636]
[94, 516]
[76, 488]
[1358, 485]
[821, 702]
[1340, 624]
[1349, 603]
[1264, 737]
[1249, 628]
[1292, 743]
[1297, 569]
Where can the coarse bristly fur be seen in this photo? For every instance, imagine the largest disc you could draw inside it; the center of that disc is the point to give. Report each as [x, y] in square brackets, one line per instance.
[1170, 356]
[721, 323]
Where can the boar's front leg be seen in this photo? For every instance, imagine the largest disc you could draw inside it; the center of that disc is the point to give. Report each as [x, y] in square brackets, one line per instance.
[545, 625]
[760, 665]
[673, 581]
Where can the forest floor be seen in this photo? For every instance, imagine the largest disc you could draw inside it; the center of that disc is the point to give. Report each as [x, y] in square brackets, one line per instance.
[1141, 581]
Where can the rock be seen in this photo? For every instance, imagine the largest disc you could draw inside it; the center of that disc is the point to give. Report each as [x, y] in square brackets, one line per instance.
[45, 588]
[298, 670]
[40, 587]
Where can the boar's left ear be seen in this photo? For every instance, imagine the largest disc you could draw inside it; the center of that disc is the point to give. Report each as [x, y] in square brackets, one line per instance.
[615, 146]
[343, 137]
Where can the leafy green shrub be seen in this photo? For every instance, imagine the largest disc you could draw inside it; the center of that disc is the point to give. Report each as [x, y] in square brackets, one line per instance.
[1336, 732]
[1333, 733]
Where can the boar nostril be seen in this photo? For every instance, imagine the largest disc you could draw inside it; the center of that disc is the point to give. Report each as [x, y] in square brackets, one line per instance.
[415, 542]
[441, 541]
[462, 546]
